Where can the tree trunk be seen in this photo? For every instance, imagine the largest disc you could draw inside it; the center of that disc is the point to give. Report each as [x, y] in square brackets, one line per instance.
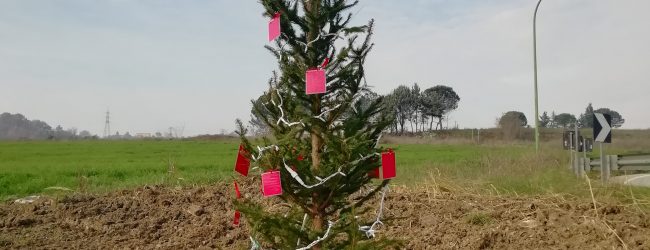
[316, 140]
[316, 99]
[423, 123]
[317, 216]
[416, 121]
[315, 148]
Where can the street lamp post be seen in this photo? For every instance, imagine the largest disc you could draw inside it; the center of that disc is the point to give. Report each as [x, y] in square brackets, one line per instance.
[535, 66]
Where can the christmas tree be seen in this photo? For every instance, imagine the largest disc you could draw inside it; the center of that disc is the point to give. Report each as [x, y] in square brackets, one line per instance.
[322, 144]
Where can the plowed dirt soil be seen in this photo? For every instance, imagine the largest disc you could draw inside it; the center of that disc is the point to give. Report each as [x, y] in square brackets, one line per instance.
[201, 217]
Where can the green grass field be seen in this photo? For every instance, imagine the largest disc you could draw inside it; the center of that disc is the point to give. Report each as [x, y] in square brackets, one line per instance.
[32, 167]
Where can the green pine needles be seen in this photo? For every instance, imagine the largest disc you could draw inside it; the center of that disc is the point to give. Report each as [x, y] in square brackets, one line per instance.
[324, 145]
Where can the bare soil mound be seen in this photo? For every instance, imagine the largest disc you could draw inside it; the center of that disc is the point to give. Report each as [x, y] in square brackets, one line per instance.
[201, 217]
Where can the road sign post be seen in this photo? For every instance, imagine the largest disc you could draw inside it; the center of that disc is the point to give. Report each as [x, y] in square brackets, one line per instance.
[603, 134]
[568, 144]
[589, 145]
[604, 166]
[584, 148]
[575, 143]
[577, 169]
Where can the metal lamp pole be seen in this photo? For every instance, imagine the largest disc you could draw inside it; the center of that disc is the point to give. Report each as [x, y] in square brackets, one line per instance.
[535, 65]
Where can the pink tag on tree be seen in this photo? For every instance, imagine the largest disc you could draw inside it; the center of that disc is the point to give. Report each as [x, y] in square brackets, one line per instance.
[271, 184]
[315, 80]
[236, 220]
[243, 163]
[274, 27]
[388, 164]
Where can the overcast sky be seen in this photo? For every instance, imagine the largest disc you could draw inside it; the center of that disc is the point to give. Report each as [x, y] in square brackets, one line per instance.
[197, 63]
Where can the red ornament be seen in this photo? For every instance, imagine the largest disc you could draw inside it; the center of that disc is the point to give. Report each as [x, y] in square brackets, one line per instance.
[271, 184]
[325, 62]
[243, 163]
[237, 193]
[315, 81]
[388, 164]
[237, 217]
[274, 27]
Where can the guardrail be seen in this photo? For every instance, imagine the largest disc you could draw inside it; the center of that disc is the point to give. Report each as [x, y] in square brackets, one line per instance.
[616, 163]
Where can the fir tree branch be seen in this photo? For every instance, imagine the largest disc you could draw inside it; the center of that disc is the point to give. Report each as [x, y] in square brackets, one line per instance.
[363, 200]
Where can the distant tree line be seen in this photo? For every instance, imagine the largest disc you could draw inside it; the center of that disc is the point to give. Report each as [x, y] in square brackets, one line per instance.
[415, 110]
[17, 126]
[118, 136]
[419, 111]
[584, 120]
[562, 120]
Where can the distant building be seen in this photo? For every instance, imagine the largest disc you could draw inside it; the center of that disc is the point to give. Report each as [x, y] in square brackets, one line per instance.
[143, 135]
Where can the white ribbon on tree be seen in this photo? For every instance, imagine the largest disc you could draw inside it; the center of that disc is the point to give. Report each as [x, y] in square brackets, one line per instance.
[320, 238]
[377, 141]
[320, 35]
[370, 230]
[302, 227]
[254, 244]
[327, 110]
[262, 149]
[281, 119]
[322, 181]
[363, 158]
[295, 176]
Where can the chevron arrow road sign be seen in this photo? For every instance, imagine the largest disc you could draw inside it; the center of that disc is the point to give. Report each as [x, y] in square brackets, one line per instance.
[602, 128]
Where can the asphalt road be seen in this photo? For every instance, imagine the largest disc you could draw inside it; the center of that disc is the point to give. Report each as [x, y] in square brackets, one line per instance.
[640, 180]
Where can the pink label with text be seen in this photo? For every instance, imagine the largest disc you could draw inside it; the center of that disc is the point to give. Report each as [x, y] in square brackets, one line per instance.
[271, 184]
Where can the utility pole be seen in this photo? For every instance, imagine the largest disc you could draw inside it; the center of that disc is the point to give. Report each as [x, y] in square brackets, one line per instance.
[535, 66]
[107, 125]
[576, 138]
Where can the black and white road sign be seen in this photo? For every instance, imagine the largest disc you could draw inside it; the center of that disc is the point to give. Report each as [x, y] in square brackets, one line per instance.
[602, 128]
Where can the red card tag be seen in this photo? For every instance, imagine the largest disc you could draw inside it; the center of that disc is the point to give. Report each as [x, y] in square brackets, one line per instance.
[388, 164]
[274, 27]
[237, 193]
[237, 217]
[315, 80]
[243, 163]
[271, 184]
